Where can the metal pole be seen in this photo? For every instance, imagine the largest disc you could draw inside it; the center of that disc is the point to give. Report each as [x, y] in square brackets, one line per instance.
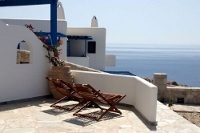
[54, 22]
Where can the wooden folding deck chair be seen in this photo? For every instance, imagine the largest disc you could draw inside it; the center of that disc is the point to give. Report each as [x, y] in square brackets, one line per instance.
[94, 97]
[68, 92]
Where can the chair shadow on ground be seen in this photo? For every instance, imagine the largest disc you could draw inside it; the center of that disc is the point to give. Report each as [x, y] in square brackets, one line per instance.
[56, 111]
[82, 121]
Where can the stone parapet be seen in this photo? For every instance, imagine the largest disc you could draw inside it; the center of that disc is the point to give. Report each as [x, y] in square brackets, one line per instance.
[160, 80]
[189, 95]
[179, 94]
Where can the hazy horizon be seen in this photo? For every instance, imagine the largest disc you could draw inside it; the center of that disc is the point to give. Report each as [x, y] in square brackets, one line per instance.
[130, 21]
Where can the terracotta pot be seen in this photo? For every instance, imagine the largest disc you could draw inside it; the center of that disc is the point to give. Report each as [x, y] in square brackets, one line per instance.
[60, 73]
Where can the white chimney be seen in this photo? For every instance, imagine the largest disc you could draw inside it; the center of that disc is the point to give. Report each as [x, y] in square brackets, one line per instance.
[94, 22]
[60, 11]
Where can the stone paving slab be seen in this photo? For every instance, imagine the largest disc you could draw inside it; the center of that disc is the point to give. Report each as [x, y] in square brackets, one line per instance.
[37, 117]
[19, 130]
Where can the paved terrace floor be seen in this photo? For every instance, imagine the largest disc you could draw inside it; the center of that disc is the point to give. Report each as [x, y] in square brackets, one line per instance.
[35, 116]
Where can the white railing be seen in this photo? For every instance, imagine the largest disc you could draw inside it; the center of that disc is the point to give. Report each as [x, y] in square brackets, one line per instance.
[139, 93]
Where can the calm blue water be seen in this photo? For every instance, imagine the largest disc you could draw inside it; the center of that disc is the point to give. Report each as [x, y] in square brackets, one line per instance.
[180, 62]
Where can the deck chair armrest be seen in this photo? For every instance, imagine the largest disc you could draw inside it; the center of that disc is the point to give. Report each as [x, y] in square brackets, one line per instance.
[113, 99]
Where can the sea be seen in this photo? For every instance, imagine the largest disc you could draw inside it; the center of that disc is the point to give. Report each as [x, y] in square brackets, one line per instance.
[181, 63]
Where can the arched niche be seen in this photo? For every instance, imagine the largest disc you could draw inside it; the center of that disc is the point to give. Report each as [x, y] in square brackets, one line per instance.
[24, 53]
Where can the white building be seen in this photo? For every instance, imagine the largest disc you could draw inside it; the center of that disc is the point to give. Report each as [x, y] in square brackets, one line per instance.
[85, 46]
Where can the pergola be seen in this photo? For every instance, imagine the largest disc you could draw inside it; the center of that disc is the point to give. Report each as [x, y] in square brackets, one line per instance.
[53, 4]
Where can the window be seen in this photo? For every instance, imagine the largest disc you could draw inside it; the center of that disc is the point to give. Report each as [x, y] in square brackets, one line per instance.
[23, 53]
[91, 47]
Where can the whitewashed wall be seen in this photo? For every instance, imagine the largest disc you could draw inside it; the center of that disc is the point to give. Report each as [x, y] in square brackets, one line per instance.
[42, 25]
[139, 93]
[110, 60]
[20, 81]
[97, 60]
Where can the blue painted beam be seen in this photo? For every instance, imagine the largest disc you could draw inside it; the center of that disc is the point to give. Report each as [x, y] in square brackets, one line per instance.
[46, 34]
[54, 22]
[4, 3]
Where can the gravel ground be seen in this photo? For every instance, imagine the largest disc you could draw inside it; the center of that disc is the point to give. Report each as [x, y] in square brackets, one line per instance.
[192, 117]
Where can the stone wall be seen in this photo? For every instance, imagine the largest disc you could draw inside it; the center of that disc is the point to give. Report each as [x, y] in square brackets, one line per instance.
[160, 80]
[189, 95]
[179, 94]
[23, 56]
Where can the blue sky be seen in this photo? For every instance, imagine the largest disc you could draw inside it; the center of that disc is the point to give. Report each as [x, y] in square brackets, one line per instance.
[128, 21]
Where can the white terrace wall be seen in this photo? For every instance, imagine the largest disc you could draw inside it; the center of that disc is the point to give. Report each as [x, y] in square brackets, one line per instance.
[97, 60]
[42, 25]
[139, 93]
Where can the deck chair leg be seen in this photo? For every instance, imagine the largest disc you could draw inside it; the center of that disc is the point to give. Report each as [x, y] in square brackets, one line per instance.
[96, 105]
[82, 102]
[60, 107]
[86, 104]
[111, 109]
[114, 109]
[102, 115]
[70, 109]
[54, 104]
[107, 110]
